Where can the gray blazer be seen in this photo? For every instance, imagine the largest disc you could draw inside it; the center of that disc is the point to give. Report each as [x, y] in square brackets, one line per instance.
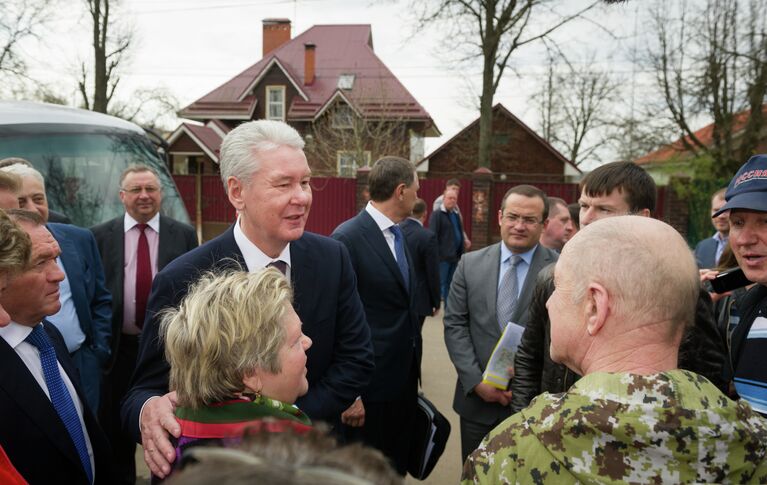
[471, 324]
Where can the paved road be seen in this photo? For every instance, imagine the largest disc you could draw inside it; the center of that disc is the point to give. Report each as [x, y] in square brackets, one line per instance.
[438, 385]
[438, 378]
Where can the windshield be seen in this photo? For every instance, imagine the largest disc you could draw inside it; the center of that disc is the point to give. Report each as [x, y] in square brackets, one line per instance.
[82, 167]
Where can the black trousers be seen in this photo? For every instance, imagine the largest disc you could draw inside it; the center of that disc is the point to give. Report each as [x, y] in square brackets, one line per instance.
[388, 424]
[114, 388]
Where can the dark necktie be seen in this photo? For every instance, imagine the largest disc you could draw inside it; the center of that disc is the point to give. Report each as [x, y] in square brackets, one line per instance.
[60, 397]
[507, 293]
[399, 250]
[143, 275]
[280, 265]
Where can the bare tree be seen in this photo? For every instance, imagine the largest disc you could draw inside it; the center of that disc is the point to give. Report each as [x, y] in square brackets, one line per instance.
[149, 107]
[343, 139]
[710, 60]
[20, 20]
[576, 108]
[112, 39]
[494, 30]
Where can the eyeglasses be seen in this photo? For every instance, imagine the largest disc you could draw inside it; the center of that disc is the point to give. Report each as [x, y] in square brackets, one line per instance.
[512, 218]
[150, 189]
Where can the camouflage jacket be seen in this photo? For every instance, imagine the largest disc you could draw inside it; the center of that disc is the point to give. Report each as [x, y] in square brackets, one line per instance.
[672, 427]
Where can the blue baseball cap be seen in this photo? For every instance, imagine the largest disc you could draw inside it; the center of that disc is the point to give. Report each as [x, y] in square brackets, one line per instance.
[748, 188]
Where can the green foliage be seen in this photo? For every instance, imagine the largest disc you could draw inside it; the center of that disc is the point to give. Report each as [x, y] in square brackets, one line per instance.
[706, 178]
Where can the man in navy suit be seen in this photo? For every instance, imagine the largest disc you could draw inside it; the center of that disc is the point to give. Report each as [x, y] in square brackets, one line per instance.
[267, 177]
[84, 319]
[422, 244]
[386, 283]
[48, 431]
[709, 250]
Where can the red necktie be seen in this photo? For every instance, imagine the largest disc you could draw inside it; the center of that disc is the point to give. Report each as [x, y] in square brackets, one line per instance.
[143, 275]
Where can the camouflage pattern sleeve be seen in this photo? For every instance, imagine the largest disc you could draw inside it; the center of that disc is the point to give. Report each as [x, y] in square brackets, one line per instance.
[671, 427]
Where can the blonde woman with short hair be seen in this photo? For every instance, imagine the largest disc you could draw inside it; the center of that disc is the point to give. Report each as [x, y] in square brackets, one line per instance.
[237, 356]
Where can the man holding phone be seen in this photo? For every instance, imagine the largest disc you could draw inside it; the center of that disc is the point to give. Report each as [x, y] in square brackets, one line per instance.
[746, 202]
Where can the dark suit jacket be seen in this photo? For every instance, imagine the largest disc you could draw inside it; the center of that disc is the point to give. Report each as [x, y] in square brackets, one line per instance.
[340, 359]
[389, 307]
[422, 244]
[92, 300]
[176, 238]
[442, 226]
[705, 253]
[31, 432]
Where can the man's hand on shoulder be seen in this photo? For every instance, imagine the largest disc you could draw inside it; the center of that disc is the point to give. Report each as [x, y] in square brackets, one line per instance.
[489, 393]
[157, 421]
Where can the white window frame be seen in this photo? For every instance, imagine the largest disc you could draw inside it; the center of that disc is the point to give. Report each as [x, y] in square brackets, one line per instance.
[342, 170]
[269, 103]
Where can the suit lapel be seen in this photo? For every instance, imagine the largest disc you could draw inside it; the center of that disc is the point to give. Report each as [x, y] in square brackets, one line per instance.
[116, 258]
[22, 387]
[540, 259]
[373, 234]
[73, 267]
[303, 277]
[166, 242]
[490, 267]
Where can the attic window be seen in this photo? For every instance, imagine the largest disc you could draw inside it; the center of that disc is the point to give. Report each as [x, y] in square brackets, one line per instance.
[343, 116]
[346, 81]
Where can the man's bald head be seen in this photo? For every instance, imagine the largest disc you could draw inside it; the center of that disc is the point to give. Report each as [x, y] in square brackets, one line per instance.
[644, 263]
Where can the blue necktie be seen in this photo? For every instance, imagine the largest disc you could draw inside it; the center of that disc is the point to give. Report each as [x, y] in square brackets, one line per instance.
[60, 397]
[399, 250]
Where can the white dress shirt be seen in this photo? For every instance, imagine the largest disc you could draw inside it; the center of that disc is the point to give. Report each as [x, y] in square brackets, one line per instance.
[385, 224]
[255, 259]
[132, 234]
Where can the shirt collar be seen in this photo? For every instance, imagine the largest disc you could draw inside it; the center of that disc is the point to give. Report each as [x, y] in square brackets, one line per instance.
[718, 236]
[382, 221]
[256, 259]
[129, 223]
[416, 220]
[527, 256]
[15, 333]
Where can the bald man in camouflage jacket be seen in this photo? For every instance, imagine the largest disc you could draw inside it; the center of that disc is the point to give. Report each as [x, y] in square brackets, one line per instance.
[633, 417]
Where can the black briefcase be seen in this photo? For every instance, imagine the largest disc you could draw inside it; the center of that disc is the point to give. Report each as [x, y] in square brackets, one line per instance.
[430, 435]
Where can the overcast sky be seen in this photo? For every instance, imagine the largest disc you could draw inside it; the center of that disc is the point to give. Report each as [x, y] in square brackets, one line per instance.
[192, 46]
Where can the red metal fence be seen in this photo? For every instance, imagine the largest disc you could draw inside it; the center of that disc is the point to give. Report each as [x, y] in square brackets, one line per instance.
[334, 200]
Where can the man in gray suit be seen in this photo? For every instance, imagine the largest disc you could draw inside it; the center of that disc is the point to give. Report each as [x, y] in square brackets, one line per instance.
[490, 288]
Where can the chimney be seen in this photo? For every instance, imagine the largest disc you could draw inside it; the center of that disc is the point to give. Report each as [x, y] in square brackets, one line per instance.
[276, 33]
[309, 57]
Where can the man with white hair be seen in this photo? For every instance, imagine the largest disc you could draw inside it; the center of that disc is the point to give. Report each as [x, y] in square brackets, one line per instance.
[266, 177]
[634, 416]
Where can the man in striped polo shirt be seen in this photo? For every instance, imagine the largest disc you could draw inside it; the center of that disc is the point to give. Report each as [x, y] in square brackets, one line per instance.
[746, 198]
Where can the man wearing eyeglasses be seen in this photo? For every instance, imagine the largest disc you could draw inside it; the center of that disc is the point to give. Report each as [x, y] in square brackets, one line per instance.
[133, 247]
[490, 288]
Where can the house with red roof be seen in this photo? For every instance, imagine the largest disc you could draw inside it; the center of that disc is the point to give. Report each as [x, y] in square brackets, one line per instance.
[518, 154]
[674, 159]
[327, 83]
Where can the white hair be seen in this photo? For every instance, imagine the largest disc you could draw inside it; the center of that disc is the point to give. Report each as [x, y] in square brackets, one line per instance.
[24, 171]
[238, 156]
